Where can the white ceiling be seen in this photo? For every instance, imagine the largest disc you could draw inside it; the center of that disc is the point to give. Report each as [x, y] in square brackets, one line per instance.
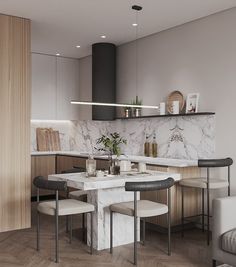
[59, 25]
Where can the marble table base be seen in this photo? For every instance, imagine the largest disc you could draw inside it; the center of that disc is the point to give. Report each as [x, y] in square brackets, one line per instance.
[123, 226]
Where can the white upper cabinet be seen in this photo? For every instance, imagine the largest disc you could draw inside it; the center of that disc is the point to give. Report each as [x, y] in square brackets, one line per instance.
[67, 88]
[43, 106]
[55, 82]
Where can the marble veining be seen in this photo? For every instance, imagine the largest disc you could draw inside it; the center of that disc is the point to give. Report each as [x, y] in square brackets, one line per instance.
[189, 137]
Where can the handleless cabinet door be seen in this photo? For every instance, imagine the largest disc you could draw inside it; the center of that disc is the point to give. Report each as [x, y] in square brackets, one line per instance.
[67, 88]
[43, 87]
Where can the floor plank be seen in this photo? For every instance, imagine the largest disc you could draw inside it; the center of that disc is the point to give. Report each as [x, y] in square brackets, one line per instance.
[18, 249]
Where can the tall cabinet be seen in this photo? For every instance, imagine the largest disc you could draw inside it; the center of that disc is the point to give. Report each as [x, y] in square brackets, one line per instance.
[15, 87]
[55, 82]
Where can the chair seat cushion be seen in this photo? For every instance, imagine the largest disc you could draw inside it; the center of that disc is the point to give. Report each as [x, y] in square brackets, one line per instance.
[145, 208]
[77, 194]
[202, 183]
[66, 207]
[228, 241]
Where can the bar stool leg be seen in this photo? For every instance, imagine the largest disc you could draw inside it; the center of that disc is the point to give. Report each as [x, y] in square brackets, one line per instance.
[71, 228]
[83, 226]
[213, 263]
[203, 211]
[208, 216]
[182, 216]
[111, 232]
[144, 231]
[56, 237]
[38, 230]
[135, 240]
[91, 234]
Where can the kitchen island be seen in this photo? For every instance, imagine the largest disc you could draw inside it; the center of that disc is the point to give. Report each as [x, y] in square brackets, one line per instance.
[46, 163]
[104, 191]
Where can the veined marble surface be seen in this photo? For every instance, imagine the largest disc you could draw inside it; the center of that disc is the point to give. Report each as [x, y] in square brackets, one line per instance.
[80, 181]
[189, 137]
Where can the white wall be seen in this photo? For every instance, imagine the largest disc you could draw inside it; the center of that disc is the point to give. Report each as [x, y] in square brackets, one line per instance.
[199, 56]
[196, 57]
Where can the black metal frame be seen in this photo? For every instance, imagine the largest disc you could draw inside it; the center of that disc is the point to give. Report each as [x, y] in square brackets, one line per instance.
[40, 182]
[145, 186]
[207, 163]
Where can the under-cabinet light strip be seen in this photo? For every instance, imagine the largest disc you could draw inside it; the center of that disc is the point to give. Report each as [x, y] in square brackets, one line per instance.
[111, 104]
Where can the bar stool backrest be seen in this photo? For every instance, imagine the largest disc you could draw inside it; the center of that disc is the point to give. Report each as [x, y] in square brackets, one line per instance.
[215, 163]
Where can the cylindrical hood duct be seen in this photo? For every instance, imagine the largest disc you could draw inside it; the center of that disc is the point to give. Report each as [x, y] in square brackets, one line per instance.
[103, 80]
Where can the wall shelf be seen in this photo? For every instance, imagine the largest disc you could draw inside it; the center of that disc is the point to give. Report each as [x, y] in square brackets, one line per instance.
[169, 115]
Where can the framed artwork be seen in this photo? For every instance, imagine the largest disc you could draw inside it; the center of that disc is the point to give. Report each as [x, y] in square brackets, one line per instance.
[192, 103]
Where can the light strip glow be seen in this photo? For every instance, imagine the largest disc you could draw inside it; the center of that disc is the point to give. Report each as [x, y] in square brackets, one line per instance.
[111, 104]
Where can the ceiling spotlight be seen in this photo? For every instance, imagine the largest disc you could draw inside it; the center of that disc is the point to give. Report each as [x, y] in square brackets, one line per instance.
[78, 46]
[103, 36]
[135, 24]
[57, 54]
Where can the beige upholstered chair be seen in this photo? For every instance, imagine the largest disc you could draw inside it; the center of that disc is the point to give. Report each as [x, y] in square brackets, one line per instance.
[57, 208]
[143, 208]
[224, 231]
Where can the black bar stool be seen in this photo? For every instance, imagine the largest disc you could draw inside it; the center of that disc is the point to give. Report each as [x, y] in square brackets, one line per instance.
[143, 208]
[208, 184]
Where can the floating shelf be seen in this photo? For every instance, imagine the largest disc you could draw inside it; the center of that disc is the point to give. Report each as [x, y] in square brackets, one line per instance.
[169, 115]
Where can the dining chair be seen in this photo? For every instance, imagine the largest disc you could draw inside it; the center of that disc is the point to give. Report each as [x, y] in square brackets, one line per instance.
[206, 184]
[143, 208]
[57, 208]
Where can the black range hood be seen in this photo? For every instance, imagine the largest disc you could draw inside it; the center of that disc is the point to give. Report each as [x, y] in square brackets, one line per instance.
[103, 80]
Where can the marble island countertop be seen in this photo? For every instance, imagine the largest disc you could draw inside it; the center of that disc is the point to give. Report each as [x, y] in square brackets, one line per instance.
[148, 160]
[80, 181]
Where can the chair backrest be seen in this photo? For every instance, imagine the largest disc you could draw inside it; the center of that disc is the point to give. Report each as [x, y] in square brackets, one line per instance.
[149, 186]
[215, 163]
[42, 183]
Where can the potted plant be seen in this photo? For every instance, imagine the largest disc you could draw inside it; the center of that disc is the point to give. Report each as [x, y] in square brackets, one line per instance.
[111, 144]
[136, 112]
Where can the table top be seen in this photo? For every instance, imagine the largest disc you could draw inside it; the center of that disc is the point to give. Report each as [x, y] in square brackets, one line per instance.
[80, 181]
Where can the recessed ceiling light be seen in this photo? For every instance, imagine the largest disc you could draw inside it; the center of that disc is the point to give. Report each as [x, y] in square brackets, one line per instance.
[135, 24]
[57, 54]
[103, 36]
[78, 46]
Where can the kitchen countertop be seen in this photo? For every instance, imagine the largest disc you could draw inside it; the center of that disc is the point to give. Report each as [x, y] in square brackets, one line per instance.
[148, 160]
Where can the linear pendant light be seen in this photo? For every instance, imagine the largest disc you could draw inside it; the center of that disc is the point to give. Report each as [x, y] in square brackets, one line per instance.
[111, 104]
[91, 103]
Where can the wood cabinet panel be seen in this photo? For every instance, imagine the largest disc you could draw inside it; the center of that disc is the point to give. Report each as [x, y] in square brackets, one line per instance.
[42, 166]
[15, 92]
[68, 162]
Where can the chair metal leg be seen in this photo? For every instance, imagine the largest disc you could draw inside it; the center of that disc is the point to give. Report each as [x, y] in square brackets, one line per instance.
[203, 210]
[182, 213]
[213, 263]
[38, 230]
[135, 240]
[169, 232]
[111, 232]
[91, 234]
[56, 239]
[144, 231]
[83, 226]
[208, 216]
[71, 227]
[67, 224]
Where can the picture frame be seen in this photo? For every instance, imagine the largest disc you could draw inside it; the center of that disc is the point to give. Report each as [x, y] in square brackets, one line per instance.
[192, 103]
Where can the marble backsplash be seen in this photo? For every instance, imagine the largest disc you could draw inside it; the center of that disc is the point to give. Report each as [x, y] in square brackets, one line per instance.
[188, 137]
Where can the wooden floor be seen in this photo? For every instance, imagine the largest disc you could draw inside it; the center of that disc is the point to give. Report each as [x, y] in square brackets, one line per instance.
[18, 249]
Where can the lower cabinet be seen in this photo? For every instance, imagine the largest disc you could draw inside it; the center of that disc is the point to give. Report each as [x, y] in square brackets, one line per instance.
[42, 166]
[68, 162]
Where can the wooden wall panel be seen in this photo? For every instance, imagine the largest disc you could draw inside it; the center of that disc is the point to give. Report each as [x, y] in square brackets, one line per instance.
[15, 100]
